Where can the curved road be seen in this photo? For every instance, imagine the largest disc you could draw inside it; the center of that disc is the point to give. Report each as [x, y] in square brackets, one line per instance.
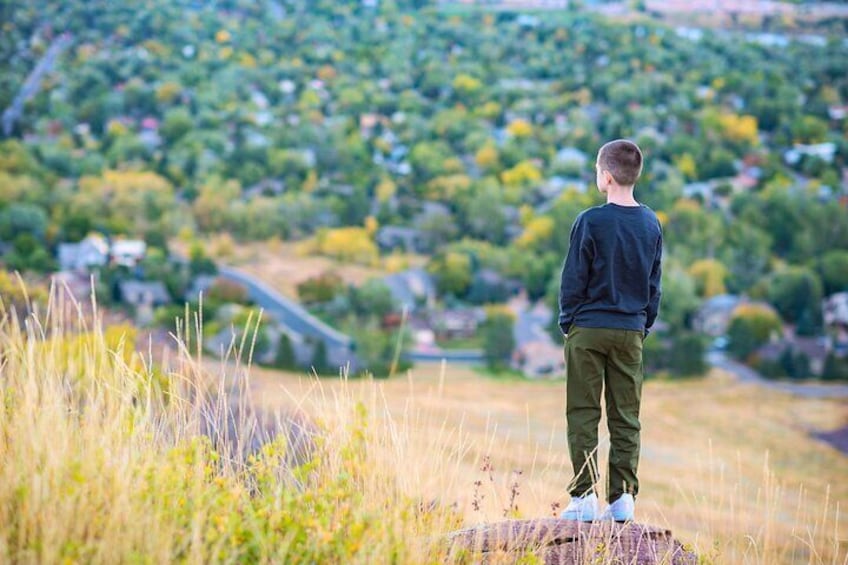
[287, 312]
[340, 347]
[745, 374]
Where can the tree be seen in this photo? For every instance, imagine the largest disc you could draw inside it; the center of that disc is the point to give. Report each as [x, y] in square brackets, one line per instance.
[751, 326]
[796, 292]
[200, 263]
[372, 299]
[833, 268]
[320, 288]
[679, 297]
[452, 271]
[285, 357]
[835, 368]
[18, 219]
[498, 338]
[709, 275]
[320, 363]
[686, 355]
[176, 124]
[746, 252]
[692, 229]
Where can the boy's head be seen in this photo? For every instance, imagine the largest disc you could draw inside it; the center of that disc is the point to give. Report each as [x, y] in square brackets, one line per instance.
[619, 161]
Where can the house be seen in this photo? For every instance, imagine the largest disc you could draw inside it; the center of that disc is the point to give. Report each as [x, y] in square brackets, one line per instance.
[143, 296]
[399, 237]
[488, 287]
[713, 317]
[572, 157]
[412, 289]
[539, 359]
[458, 323]
[127, 252]
[93, 251]
[74, 285]
[814, 349]
[552, 188]
[824, 151]
[837, 113]
[422, 334]
[703, 190]
[835, 314]
[138, 293]
[200, 284]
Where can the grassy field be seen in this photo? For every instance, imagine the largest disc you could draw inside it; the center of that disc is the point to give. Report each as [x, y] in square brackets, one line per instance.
[109, 457]
[731, 469]
[280, 265]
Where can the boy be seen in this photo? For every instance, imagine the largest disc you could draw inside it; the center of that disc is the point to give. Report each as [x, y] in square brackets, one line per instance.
[609, 297]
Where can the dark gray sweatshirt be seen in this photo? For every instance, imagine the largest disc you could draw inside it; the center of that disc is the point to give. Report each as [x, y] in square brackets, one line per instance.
[611, 276]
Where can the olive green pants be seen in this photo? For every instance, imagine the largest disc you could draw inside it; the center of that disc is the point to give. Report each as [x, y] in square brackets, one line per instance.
[597, 358]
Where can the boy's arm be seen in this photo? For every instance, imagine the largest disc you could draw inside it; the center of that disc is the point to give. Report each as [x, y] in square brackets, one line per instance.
[575, 275]
[655, 286]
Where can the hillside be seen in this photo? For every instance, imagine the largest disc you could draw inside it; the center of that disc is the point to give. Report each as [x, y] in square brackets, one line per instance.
[370, 471]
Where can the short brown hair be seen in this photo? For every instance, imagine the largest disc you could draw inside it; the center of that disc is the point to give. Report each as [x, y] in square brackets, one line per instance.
[623, 159]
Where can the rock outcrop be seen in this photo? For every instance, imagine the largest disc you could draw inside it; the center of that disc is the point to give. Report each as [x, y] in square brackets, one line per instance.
[566, 542]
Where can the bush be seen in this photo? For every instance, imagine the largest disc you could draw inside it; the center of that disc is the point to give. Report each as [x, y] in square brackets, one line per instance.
[751, 327]
[320, 289]
[835, 368]
[686, 355]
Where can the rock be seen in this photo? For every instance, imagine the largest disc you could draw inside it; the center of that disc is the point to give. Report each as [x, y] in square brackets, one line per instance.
[566, 542]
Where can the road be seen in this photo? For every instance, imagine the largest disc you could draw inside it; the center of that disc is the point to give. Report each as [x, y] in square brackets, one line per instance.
[746, 374]
[340, 347]
[32, 84]
[454, 356]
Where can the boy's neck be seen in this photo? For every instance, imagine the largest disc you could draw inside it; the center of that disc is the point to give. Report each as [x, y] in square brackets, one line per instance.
[621, 195]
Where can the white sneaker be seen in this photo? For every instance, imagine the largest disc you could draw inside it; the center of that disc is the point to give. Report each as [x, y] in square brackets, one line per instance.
[621, 510]
[581, 508]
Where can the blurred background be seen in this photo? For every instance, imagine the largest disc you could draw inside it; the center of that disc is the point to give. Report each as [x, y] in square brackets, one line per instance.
[393, 182]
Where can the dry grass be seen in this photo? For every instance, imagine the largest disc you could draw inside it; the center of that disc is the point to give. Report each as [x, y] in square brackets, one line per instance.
[105, 460]
[282, 267]
[731, 469]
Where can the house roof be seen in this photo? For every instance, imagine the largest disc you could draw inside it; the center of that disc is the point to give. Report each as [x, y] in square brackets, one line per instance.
[131, 290]
[835, 309]
[406, 287]
[135, 247]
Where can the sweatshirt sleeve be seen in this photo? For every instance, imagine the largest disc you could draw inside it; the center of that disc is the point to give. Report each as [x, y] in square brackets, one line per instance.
[655, 285]
[575, 274]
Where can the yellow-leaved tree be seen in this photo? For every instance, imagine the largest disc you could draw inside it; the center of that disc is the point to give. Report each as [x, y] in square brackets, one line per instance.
[709, 276]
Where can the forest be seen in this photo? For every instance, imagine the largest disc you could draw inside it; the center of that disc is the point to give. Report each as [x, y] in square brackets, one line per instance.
[471, 134]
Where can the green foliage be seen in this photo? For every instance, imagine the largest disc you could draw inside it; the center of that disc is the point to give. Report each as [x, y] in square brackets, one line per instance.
[284, 358]
[797, 293]
[833, 269]
[225, 291]
[215, 120]
[452, 271]
[320, 362]
[498, 339]
[176, 124]
[835, 368]
[686, 355]
[19, 219]
[321, 288]
[751, 326]
[373, 298]
[199, 262]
